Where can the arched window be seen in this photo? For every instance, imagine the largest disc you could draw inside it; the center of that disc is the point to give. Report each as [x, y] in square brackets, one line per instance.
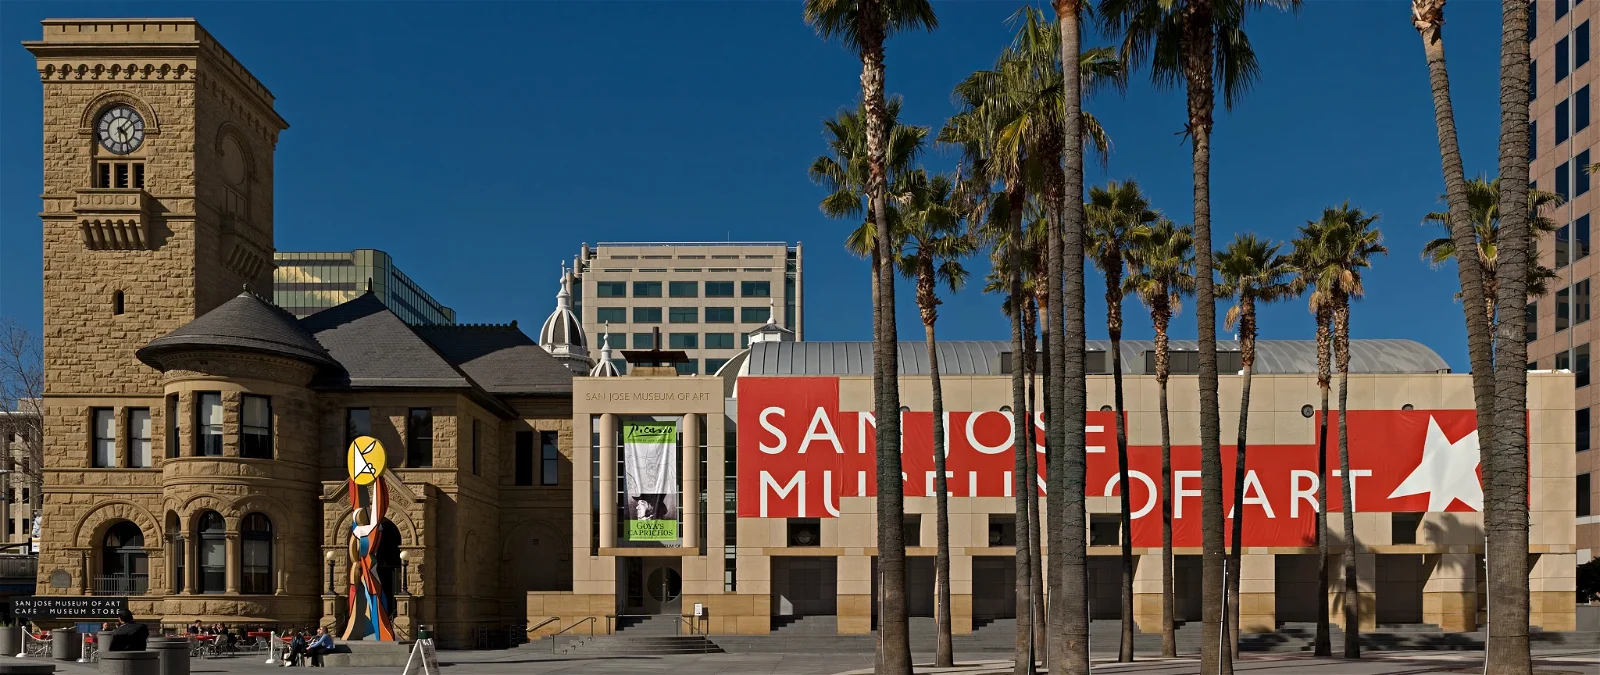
[124, 566]
[213, 554]
[256, 533]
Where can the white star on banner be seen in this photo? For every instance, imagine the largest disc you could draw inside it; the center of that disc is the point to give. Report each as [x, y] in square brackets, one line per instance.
[1447, 472]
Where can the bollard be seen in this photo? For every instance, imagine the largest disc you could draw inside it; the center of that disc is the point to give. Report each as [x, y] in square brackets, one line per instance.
[172, 654]
[86, 648]
[272, 649]
[64, 644]
[130, 663]
[10, 640]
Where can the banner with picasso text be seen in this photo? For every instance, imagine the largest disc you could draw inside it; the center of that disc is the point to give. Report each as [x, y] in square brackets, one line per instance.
[799, 455]
[650, 467]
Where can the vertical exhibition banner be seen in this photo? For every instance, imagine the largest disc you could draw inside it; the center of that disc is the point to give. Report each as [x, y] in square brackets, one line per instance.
[650, 462]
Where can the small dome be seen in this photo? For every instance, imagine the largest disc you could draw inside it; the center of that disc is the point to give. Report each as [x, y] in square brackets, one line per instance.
[605, 367]
[562, 334]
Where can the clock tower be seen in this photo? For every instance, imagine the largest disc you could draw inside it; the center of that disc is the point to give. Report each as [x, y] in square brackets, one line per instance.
[157, 202]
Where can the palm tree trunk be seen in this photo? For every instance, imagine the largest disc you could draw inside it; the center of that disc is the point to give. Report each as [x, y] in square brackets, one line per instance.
[1506, 512]
[1352, 596]
[1160, 315]
[1069, 617]
[1247, 354]
[1428, 17]
[1323, 645]
[894, 641]
[1041, 644]
[1035, 560]
[1114, 328]
[1198, 65]
[1019, 440]
[944, 651]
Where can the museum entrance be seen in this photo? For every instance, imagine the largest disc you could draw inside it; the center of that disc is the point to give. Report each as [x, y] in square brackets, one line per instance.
[651, 585]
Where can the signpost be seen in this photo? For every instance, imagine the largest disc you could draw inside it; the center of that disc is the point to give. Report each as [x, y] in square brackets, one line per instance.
[424, 659]
[69, 607]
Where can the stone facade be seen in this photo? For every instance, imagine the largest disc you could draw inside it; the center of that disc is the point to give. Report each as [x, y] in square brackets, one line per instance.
[127, 265]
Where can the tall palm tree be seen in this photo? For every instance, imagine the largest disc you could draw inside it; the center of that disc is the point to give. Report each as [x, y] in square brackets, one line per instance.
[1201, 43]
[863, 26]
[1506, 505]
[1306, 260]
[1118, 215]
[1252, 272]
[935, 244]
[845, 174]
[1346, 243]
[1483, 207]
[1162, 266]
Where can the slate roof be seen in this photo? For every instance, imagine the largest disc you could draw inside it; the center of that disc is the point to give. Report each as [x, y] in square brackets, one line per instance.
[983, 357]
[374, 348]
[500, 358]
[247, 323]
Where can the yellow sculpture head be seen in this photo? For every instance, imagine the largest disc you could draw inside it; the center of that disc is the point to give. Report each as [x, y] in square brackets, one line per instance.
[366, 460]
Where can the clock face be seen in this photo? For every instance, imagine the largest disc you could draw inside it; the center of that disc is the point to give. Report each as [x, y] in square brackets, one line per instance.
[121, 130]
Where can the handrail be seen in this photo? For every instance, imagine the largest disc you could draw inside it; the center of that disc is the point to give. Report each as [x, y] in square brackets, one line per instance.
[588, 619]
[679, 622]
[547, 621]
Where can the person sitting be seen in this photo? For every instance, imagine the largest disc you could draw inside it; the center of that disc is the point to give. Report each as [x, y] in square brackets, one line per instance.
[195, 628]
[226, 637]
[296, 650]
[322, 645]
[128, 637]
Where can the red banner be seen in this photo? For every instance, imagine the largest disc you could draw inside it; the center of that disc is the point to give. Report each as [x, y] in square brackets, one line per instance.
[799, 455]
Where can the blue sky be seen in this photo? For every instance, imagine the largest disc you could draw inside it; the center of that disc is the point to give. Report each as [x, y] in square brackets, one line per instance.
[480, 143]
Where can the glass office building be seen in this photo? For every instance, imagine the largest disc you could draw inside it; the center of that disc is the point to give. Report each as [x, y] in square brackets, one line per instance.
[306, 283]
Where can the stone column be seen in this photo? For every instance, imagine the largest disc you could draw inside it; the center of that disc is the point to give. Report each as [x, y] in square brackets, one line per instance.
[1257, 579]
[608, 481]
[1450, 593]
[1147, 593]
[191, 565]
[691, 481]
[233, 562]
[1366, 590]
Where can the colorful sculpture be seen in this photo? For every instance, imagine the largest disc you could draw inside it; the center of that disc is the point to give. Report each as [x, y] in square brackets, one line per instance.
[370, 613]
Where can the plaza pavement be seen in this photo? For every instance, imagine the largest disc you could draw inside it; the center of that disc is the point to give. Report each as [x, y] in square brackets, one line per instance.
[529, 662]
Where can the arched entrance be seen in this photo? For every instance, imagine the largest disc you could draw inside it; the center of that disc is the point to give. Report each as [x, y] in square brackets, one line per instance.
[124, 565]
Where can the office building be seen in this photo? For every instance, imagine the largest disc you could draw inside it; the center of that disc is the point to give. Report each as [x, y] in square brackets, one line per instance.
[1561, 334]
[306, 283]
[704, 298]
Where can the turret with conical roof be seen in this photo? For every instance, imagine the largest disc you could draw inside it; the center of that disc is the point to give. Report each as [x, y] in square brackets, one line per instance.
[604, 366]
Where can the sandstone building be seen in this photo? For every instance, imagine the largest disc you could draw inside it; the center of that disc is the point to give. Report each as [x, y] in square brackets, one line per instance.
[195, 433]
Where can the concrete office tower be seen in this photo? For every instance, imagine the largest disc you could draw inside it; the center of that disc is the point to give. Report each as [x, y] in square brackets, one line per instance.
[1560, 334]
[706, 297]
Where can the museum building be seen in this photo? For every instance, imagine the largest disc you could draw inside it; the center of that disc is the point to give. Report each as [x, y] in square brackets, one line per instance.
[197, 434]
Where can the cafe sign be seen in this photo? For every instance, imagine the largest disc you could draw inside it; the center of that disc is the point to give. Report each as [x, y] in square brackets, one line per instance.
[69, 607]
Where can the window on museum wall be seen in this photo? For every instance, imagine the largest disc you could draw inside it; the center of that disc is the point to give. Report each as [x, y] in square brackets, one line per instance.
[419, 437]
[719, 314]
[104, 441]
[124, 565]
[647, 315]
[646, 289]
[1585, 506]
[139, 438]
[172, 425]
[611, 289]
[213, 554]
[755, 289]
[255, 535]
[477, 445]
[523, 471]
[255, 427]
[357, 422]
[683, 315]
[208, 424]
[550, 459]
[683, 340]
[1581, 438]
[180, 555]
[754, 314]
